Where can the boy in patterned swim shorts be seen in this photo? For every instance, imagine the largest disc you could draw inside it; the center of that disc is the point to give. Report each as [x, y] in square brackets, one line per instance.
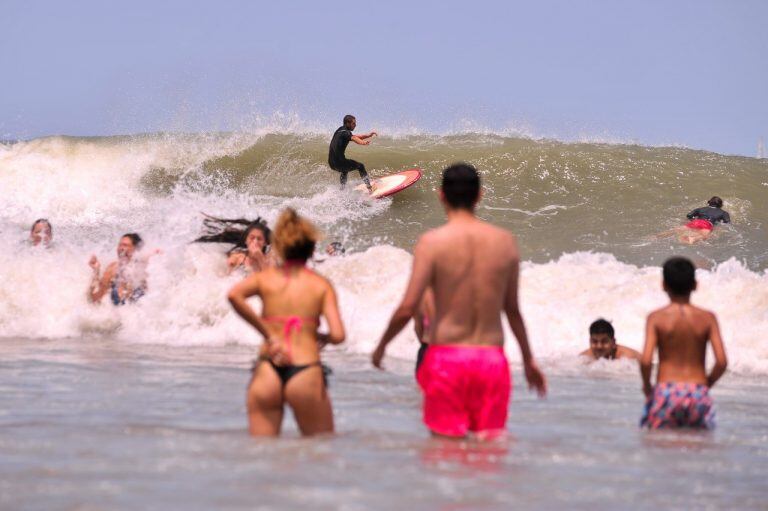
[681, 332]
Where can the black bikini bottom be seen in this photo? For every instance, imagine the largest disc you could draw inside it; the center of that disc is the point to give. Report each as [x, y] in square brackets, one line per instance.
[287, 372]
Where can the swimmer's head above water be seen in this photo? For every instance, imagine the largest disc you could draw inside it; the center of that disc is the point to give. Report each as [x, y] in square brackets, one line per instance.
[461, 187]
[679, 276]
[602, 341]
[257, 237]
[128, 245]
[41, 232]
[295, 236]
[335, 248]
[715, 202]
[244, 234]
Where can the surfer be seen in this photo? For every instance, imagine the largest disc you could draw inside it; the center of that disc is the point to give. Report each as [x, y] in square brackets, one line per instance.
[472, 268]
[251, 240]
[125, 279]
[602, 343]
[338, 161]
[41, 233]
[702, 222]
[288, 369]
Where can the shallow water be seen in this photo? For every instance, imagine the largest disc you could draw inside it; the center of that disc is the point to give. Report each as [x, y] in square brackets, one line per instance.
[103, 424]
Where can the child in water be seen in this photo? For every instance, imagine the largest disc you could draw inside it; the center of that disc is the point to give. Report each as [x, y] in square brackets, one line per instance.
[681, 332]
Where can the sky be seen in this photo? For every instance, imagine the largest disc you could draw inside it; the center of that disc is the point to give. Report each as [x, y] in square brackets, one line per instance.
[693, 73]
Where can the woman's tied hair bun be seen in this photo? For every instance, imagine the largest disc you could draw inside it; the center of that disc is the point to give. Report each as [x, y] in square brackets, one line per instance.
[294, 236]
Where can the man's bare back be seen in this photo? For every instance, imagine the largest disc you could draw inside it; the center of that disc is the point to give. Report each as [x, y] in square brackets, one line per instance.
[472, 269]
[682, 332]
[472, 263]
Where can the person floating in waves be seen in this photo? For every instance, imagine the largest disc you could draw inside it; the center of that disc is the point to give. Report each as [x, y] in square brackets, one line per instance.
[602, 343]
[251, 240]
[125, 280]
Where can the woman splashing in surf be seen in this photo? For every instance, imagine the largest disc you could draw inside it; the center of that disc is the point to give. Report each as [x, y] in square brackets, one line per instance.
[251, 240]
[125, 279]
[288, 369]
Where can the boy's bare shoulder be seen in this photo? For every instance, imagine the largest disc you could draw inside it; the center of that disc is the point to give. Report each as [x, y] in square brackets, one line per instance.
[703, 312]
[499, 233]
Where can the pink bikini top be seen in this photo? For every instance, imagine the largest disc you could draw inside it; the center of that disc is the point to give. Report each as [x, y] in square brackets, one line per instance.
[291, 324]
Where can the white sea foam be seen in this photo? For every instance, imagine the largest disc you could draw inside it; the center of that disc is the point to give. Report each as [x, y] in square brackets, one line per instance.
[186, 304]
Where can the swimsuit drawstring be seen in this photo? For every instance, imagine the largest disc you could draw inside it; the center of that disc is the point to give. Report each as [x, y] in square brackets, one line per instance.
[293, 323]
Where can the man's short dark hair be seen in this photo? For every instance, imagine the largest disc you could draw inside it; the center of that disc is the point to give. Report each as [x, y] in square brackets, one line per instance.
[679, 276]
[715, 202]
[601, 326]
[348, 119]
[461, 185]
[135, 239]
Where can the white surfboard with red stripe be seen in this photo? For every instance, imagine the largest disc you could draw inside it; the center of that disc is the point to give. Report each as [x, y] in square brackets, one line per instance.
[389, 185]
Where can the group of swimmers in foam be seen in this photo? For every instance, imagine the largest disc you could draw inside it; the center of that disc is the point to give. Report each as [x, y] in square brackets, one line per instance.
[465, 275]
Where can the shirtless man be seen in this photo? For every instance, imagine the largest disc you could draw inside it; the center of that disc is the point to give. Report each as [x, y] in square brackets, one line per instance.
[680, 331]
[602, 343]
[338, 161]
[472, 268]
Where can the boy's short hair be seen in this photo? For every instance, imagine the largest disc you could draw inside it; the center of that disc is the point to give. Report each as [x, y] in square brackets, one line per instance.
[679, 276]
[348, 119]
[461, 185]
[601, 326]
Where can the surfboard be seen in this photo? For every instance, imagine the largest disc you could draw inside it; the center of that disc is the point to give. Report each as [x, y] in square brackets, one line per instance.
[390, 185]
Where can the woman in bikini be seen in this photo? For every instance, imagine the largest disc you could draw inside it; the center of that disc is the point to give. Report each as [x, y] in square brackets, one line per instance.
[251, 240]
[288, 370]
[125, 279]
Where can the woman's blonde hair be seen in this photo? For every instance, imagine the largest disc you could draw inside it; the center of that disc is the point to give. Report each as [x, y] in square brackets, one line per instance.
[294, 236]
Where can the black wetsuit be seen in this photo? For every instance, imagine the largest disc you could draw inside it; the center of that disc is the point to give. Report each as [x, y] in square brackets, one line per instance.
[710, 214]
[339, 162]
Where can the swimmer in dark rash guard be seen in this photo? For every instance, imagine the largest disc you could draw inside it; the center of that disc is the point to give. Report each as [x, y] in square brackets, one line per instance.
[336, 157]
[702, 222]
[712, 213]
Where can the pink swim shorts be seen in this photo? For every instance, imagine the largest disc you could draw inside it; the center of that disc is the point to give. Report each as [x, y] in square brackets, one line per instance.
[466, 388]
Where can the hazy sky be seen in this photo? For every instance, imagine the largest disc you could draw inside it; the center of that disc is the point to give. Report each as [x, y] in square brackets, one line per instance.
[686, 72]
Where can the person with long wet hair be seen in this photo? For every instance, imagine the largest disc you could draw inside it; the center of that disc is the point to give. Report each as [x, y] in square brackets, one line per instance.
[288, 370]
[251, 240]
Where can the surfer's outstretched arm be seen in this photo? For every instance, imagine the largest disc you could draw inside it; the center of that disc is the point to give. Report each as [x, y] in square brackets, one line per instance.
[361, 139]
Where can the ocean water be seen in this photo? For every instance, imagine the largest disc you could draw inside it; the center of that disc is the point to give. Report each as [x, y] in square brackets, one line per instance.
[142, 406]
